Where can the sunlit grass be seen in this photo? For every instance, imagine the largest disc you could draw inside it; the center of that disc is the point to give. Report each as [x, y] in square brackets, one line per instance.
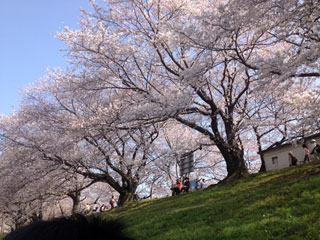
[282, 204]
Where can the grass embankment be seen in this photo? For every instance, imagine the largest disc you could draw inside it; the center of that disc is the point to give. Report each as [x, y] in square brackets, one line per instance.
[282, 204]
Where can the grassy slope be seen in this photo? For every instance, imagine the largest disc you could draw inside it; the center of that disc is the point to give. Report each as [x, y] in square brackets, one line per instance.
[283, 204]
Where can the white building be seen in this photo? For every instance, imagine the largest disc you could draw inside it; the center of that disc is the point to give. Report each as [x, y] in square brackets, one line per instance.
[277, 157]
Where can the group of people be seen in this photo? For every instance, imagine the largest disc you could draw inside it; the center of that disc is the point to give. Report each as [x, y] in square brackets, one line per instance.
[102, 208]
[181, 186]
[315, 151]
[184, 186]
[95, 208]
[200, 183]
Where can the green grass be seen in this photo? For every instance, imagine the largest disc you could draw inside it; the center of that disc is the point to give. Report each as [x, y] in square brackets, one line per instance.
[282, 204]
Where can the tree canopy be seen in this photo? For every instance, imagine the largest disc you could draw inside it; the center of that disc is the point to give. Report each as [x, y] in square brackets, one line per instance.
[231, 76]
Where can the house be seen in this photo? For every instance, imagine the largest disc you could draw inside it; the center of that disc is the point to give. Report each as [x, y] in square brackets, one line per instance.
[277, 156]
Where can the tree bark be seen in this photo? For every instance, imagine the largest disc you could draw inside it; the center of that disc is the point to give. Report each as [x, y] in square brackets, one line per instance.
[263, 164]
[127, 195]
[230, 150]
[259, 136]
[236, 166]
[75, 196]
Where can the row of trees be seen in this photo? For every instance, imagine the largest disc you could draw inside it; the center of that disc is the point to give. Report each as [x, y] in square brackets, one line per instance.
[229, 76]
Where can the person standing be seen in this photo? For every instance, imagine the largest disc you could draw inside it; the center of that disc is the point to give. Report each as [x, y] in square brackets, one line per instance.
[176, 189]
[186, 184]
[197, 184]
[88, 208]
[95, 207]
[306, 153]
[315, 149]
[292, 160]
[179, 184]
[112, 202]
[203, 184]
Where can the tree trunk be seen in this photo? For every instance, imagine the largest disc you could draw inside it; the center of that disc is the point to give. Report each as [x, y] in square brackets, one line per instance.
[126, 188]
[236, 166]
[263, 164]
[127, 192]
[36, 217]
[259, 136]
[75, 196]
[125, 197]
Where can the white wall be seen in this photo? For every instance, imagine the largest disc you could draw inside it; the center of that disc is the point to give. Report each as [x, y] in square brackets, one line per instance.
[283, 158]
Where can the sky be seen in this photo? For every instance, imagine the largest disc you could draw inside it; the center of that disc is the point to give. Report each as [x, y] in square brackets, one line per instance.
[27, 43]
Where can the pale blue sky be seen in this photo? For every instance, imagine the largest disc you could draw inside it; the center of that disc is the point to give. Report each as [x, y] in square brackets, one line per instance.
[27, 42]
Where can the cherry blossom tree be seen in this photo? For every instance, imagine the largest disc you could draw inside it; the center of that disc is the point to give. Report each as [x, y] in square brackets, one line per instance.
[135, 45]
[84, 132]
[176, 140]
[31, 188]
[283, 36]
[135, 65]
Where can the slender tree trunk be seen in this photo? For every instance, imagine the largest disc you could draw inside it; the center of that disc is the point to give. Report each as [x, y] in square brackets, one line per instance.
[75, 196]
[263, 164]
[75, 205]
[36, 217]
[258, 136]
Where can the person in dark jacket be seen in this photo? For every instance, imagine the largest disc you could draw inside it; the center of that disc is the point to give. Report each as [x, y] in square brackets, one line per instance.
[292, 160]
[315, 149]
[177, 188]
[186, 185]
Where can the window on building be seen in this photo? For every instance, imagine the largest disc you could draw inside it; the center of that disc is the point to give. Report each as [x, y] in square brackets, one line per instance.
[274, 160]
